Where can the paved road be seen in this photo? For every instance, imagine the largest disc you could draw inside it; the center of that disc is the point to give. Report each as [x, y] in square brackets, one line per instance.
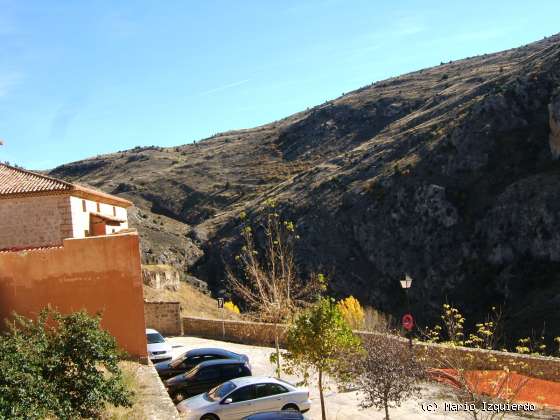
[340, 405]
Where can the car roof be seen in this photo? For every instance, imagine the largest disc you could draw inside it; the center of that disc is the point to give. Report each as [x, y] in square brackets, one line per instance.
[249, 380]
[217, 362]
[210, 350]
[151, 331]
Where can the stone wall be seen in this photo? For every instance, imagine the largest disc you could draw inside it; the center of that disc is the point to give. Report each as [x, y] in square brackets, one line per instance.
[29, 222]
[161, 276]
[164, 317]
[434, 355]
[98, 274]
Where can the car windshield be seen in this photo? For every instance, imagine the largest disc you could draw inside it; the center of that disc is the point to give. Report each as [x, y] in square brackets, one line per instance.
[175, 363]
[220, 391]
[191, 373]
[154, 338]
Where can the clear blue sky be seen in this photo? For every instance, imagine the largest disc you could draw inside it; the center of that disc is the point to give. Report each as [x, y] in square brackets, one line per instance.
[81, 78]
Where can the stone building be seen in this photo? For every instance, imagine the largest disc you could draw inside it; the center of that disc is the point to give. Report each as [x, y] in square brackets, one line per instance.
[69, 247]
[37, 210]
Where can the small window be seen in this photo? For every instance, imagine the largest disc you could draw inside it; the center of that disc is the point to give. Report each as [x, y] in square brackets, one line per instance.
[86, 233]
[114, 211]
[244, 394]
[84, 205]
[113, 230]
[207, 374]
[98, 208]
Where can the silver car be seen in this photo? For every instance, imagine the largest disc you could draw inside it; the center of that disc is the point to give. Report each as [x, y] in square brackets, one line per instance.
[241, 397]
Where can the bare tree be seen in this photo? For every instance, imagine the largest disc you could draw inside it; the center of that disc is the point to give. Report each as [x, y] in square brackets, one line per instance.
[270, 284]
[387, 373]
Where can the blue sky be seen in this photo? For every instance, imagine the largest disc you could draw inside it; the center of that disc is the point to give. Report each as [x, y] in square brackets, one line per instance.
[81, 78]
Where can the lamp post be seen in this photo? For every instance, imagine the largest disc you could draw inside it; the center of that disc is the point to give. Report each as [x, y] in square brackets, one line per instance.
[408, 320]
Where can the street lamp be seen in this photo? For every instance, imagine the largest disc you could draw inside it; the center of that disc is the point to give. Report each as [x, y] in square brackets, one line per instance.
[408, 320]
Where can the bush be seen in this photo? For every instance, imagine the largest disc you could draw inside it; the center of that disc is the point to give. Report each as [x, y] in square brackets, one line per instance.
[352, 312]
[232, 307]
[59, 365]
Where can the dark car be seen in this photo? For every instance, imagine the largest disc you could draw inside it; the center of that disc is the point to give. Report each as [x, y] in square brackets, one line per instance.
[205, 376]
[277, 415]
[192, 358]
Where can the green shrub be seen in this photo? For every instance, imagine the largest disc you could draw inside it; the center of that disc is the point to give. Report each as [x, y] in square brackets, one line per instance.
[59, 365]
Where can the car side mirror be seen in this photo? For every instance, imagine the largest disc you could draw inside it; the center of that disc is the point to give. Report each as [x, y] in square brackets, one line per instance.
[227, 401]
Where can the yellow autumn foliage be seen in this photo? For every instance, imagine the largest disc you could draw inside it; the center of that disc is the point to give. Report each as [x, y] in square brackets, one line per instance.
[232, 307]
[352, 312]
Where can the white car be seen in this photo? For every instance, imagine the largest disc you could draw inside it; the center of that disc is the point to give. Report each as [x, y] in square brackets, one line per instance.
[159, 349]
[244, 396]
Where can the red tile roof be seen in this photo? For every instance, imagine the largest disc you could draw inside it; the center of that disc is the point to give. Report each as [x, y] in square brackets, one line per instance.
[19, 181]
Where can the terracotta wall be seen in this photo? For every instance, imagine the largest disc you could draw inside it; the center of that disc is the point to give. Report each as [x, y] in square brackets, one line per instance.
[96, 274]
[164, 317]
[27, 222]
[432, 354]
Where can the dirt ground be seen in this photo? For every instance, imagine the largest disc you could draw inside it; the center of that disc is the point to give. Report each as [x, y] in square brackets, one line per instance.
[345, 405]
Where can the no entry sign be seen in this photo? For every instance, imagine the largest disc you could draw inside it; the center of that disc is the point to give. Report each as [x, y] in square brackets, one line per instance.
[408, 322]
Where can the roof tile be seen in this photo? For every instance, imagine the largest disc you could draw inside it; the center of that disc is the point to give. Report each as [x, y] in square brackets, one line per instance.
[19, 181]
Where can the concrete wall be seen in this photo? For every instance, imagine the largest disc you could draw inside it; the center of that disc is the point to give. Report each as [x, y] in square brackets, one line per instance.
[433, 355]
[96, 274]
[164, 317]
[161, 276]
[81, 218]
[28, 222]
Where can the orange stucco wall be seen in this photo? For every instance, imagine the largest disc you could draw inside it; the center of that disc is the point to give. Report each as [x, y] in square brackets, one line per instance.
[96, 274]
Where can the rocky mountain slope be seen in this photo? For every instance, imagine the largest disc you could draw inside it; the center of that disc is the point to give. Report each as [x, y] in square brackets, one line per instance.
[449, 173]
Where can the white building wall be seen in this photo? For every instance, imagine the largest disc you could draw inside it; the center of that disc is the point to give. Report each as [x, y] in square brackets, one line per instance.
[81, 218]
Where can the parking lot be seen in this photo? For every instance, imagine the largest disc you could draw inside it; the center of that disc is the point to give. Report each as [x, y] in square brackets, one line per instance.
[340, 405]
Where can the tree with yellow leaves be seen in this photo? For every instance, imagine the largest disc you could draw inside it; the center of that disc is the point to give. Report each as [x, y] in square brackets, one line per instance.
[232, 307]
[352, 312]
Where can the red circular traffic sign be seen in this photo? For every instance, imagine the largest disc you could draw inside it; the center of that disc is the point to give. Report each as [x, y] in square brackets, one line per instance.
[408, 322]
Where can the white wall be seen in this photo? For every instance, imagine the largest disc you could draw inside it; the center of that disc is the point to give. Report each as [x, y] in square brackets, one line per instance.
[80, 219]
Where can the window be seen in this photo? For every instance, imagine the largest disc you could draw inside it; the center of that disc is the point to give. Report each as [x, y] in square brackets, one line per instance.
[114, 211]
[84, 205]
[231, 371]
[275, 389]
[207, 374]
[98, 208]
[86, 233]
[243, 394]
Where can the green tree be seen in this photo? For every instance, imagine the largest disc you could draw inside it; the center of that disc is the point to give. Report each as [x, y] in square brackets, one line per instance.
[320, 341]
[67, 367]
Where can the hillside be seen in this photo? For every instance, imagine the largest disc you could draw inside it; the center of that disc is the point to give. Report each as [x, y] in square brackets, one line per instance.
[448, 173]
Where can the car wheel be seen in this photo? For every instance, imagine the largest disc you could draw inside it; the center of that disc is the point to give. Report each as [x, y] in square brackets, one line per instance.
[209, 417]
[291, 407]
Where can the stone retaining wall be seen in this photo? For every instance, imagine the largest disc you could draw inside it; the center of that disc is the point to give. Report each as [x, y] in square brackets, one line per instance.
[164, 317]
[434, 355]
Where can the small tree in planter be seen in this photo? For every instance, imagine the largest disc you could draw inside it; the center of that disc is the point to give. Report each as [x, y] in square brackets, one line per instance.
[320, 341]
[387, 373]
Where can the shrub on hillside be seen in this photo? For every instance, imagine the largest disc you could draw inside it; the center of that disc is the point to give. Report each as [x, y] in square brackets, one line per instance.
[62, 366]
[352, 312]
[232, 307]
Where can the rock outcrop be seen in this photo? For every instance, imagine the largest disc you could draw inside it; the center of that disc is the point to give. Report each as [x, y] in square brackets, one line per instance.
[554, 117]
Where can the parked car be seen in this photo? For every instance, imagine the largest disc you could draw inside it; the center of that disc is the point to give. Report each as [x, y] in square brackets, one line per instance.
[205, 376]
[159, 349]
[191, 358]
[242, 397]
[277, 415]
